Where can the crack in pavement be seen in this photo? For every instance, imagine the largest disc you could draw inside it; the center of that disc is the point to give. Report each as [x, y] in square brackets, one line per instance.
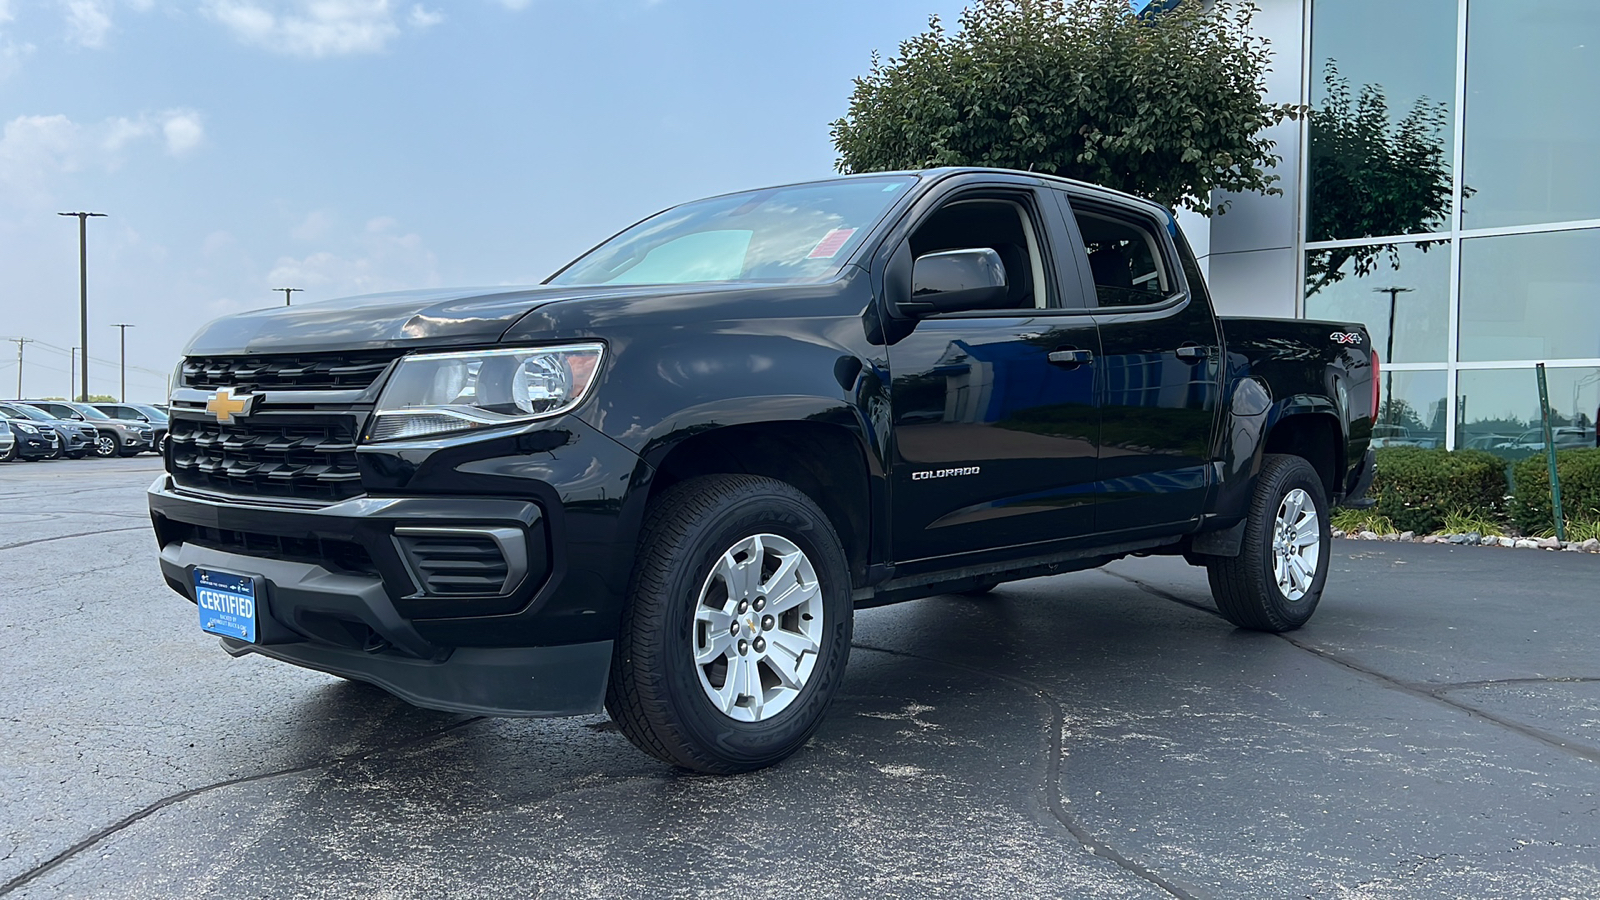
[1425, 691]
[62, 537]
[1052, 789]
[64, 856]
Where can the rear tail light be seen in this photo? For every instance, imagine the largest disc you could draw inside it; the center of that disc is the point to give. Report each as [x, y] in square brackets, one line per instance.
[1375, 366]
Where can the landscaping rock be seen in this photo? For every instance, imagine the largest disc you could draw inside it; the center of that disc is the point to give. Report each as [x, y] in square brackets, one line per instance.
[1459, 539]
[1508, 542]
[1549, 543]
[1526, 544]
[1474, 538]
[1369, 536]
[1592, 545]
[1433, 539]
[1338, 533]
[1390, 537]
[1408, 536]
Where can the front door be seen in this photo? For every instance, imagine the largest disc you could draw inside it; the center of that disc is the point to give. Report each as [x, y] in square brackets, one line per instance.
[995, 423]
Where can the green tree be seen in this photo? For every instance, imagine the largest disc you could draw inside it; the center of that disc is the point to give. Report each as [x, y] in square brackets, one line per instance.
[1371, 178]
[1167, 105]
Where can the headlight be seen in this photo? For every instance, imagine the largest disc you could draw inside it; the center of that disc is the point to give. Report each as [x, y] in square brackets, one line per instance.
[175, 380]
[440, 393]
[25, 428]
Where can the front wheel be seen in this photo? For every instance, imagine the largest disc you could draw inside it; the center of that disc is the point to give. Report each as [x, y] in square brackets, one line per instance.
[738, 625]
[1275, 582]
[105, 446]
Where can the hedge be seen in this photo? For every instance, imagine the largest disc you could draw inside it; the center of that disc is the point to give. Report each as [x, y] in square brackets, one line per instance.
[1580, 489]
[1416, 488]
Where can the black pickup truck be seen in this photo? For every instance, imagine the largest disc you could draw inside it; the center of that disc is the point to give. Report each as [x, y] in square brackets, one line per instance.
[662, 481]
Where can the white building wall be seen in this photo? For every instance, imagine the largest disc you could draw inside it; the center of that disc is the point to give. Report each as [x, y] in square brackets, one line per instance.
[1251, 254]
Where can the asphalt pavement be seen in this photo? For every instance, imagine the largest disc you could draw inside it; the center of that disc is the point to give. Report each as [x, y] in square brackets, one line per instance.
[1433, 732]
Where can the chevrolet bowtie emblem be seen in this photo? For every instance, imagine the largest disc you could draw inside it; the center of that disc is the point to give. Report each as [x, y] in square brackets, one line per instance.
[225, 406]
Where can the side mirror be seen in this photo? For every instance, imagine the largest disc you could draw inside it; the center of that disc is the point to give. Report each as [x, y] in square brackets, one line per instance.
[956, 280]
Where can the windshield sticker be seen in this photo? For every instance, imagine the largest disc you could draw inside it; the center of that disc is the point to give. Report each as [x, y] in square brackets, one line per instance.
[831, 243]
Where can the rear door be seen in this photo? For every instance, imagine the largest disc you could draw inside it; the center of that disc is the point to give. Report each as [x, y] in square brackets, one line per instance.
[994, 418]
[1160, 366]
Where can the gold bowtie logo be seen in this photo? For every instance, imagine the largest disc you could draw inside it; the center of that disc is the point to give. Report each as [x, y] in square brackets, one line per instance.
[225, 406]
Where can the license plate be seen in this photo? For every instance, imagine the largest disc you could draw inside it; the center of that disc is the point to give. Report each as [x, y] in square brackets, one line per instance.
[227, 603]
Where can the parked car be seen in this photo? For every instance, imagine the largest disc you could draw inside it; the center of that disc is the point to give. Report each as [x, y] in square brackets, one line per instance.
[1401, 436]
[29, 440]
[113, 437]
[1565, 438]
[74, 439]
[664, 480]
[8, 442]
[140, 412]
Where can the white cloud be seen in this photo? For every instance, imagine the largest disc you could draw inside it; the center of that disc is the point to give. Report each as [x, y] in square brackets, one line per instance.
[514, 4]
[88, 22]
[421, 18]
[36, 150]
[315, 227]
[317, 28]
[183, 131]
[382, 257]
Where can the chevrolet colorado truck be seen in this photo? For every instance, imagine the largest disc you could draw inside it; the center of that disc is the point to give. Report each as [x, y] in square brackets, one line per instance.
[661, 482]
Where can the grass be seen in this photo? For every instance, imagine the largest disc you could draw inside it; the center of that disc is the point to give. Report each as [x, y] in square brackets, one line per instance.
[1355, 521]
[1463, 521]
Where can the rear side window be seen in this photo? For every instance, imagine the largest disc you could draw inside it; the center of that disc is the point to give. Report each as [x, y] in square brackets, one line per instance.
[1125, 260]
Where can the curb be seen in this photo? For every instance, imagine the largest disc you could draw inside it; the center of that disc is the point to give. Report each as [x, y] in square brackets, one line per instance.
[1474, 539]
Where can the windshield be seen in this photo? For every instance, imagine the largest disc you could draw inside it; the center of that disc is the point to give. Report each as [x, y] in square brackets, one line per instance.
[27, 412]
[88, 411]
[793, 234]
[153, 414]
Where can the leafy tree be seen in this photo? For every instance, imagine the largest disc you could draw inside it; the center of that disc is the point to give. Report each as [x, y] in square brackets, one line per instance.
[1167, 105]
[1370, 178]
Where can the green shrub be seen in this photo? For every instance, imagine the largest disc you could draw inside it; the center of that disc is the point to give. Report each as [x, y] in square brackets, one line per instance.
[1355, 521]
[1416, 488]
[1580, 489]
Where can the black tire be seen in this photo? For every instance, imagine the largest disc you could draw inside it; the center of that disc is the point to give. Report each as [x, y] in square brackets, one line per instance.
[1246, 587]
[105, 446]
[11, 453]
[655, 694]
[55, 452]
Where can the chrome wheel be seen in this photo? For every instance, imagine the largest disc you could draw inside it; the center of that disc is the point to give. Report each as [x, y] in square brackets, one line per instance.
[1296, 544]
[105, 446]
[758, 627]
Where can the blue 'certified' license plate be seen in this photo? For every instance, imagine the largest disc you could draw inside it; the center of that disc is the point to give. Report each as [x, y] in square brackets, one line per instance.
[227, 603]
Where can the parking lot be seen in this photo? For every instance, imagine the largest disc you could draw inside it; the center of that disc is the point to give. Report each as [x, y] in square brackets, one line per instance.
[1433, 732]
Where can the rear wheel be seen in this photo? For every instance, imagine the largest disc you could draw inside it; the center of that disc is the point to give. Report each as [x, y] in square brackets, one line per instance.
[738, 625]
[1276, 581]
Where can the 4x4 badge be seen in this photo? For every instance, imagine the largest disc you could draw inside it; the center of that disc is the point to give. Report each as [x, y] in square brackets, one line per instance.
[225, 406]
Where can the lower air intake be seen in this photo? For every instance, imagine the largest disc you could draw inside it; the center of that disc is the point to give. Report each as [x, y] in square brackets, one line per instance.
[464, 562]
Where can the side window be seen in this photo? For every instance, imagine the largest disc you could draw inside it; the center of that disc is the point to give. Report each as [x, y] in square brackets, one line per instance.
[1125, 260]
[1002, 225]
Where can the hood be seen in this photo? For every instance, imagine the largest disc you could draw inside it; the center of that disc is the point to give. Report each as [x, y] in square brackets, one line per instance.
[435, 317]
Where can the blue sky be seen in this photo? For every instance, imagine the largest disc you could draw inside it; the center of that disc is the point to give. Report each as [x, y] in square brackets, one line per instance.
[351, 146]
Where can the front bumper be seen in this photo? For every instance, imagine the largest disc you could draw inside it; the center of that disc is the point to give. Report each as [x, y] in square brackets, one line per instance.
[353, 587]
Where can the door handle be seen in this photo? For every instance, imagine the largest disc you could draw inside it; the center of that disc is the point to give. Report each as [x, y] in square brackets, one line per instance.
[1192, 353]
[1071, 358]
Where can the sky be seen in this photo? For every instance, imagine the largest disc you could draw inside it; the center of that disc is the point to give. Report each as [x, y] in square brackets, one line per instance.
[355, 146]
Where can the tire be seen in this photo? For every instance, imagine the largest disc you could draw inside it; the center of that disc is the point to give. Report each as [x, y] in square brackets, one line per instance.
[105, 446]
[55, 453]
[1248, 588]
[11, 453]
[980, 590]
[697, 539]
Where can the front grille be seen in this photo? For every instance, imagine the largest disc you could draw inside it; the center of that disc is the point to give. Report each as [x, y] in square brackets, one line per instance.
[298, 457]
[455, 564]
[344, 556]
[294, 372]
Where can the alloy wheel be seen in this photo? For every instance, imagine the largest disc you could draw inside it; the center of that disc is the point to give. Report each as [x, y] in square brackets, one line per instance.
[105, 446]
[758, 627]
[1296, 544]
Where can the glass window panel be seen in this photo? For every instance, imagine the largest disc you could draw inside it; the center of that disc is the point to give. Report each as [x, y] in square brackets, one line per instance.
[1381, 125]
[1499, 409]
[1369, 284]
[1531, 130]
[1531, 296]
[1411, 410]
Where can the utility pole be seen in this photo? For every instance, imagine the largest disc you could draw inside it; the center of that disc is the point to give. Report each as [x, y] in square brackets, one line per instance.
[83, 286]
[287, 292]
[21, 342]
[123, 358]
[72, 374]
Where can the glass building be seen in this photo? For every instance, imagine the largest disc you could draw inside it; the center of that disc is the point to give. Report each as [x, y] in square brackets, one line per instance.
[1444, 190]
